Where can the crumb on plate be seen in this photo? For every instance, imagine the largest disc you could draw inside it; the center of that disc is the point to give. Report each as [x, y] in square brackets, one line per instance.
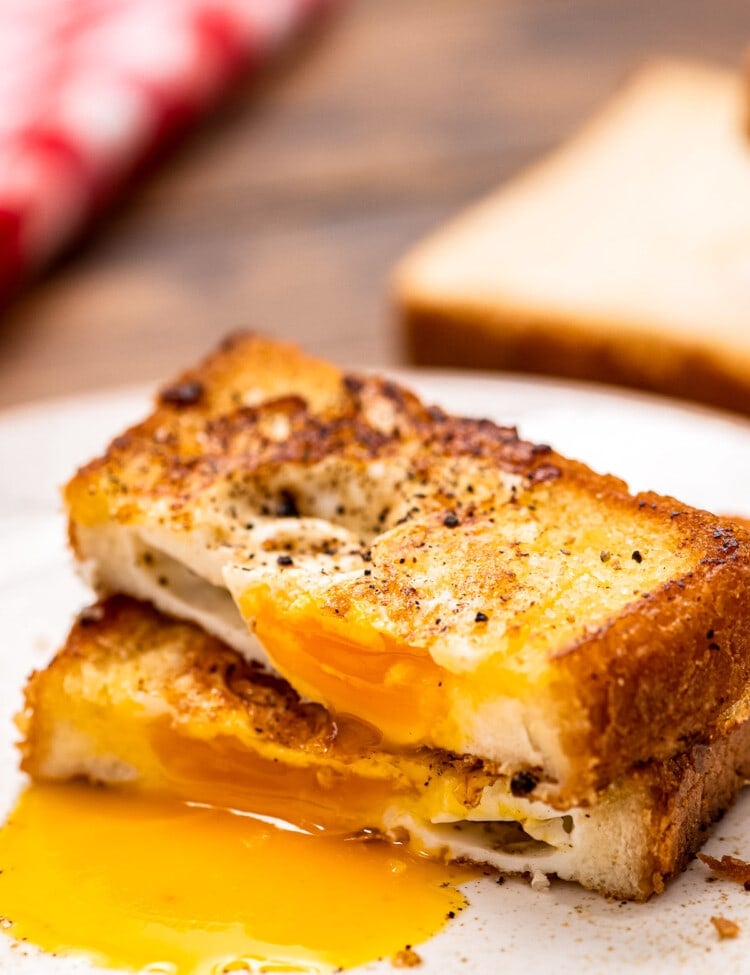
[406, 958]
[725, 927]
[730, 868]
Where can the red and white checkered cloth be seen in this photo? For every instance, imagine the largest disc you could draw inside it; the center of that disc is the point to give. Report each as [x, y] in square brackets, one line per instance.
[90, 89]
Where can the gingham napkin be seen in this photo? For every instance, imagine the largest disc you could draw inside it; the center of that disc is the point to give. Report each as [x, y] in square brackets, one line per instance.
[89, 89]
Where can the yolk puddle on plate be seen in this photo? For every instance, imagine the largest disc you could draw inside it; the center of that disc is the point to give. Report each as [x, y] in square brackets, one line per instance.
[133, 882]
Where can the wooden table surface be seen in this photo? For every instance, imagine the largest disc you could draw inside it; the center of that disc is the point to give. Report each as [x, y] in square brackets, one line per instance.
[286, 211]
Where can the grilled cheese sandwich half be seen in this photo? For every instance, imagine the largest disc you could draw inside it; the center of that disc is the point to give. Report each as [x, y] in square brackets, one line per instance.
[140, 701]
[446, 582]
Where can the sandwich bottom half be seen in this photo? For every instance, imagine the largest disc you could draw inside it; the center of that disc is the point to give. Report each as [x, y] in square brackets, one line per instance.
[137, 700]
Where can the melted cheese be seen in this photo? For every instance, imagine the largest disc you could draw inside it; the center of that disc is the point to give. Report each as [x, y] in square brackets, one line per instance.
[196, 890]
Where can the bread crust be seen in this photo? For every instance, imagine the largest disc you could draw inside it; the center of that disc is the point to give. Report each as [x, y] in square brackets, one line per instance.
[688, 793]
[673, 669]
[461, 337]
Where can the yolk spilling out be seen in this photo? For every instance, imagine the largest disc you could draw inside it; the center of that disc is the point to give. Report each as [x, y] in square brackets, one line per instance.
[195, 890]
[400, 690]
[316, 799]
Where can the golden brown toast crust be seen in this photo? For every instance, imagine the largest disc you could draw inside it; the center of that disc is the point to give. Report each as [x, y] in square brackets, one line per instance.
[193, 673]
[660, 662]
[204, 675]
[689, 792]
[120, 650]
[704, 610]
[202, 428]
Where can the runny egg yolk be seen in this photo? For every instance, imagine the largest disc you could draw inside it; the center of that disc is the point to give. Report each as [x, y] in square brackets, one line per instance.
[352, 669]
[184, 889]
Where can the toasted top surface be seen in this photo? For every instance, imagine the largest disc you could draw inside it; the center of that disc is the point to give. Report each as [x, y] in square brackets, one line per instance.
[347, 489]
[635, 224]
[415, 569]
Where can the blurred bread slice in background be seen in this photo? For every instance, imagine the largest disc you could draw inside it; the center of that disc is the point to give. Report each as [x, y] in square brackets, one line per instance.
[624, 257]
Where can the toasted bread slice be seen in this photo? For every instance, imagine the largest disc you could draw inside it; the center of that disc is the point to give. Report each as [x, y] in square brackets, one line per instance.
[620, 258]
[439, 578]
[138, 700]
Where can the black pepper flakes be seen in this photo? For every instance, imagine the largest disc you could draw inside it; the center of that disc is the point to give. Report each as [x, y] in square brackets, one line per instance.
[287, 505]
[285, 560]
[481, 618]
[543, 473]
[183, 394]
[91, 615]
[637, 557]
[451, 520]
[523, 783]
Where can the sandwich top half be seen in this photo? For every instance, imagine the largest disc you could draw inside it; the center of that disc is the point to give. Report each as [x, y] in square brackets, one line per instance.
[442, 580]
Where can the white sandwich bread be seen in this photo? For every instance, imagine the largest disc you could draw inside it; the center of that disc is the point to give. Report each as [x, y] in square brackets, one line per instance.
[620, 258]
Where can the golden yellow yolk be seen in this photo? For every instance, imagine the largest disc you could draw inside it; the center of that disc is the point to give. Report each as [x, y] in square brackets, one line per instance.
[355, 670]
[314, 798]
[196, 890]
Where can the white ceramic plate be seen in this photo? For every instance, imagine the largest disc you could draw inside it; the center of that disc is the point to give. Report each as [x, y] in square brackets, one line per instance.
[700, 456]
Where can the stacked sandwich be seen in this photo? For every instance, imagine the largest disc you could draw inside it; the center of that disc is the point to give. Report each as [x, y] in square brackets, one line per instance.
[325, 601]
